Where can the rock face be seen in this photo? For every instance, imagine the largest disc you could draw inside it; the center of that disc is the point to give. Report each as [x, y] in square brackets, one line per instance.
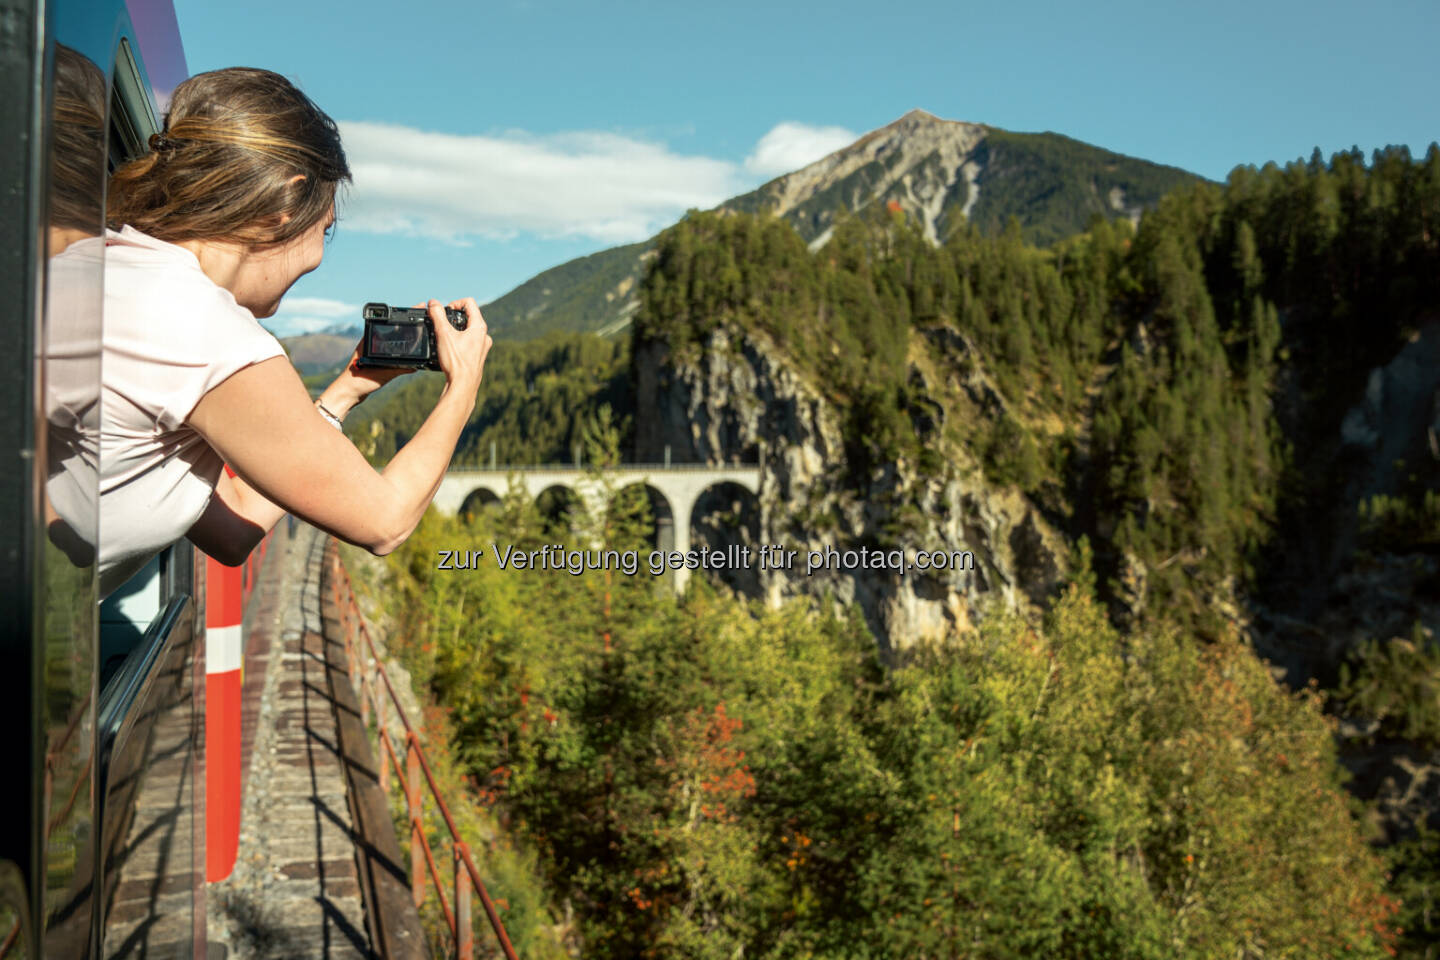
[1337, 597]
[1334, 598]
[920, 163]
[742, 401]
[1398, 419]
[940, 172]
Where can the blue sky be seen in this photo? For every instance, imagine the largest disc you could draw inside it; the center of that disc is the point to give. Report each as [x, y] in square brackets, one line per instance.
[491, 141]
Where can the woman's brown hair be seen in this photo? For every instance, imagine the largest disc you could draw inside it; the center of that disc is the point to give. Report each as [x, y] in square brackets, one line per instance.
[225, 166]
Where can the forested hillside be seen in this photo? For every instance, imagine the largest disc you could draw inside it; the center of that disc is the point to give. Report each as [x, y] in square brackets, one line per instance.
[1227, 413]
[534, 400]
[594, 294]
[707, 779]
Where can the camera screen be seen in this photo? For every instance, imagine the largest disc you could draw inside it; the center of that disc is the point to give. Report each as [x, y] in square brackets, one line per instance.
[399, 340]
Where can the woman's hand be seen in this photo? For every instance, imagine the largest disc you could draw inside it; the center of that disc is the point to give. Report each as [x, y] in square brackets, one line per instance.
[357, 382]
[462, 353]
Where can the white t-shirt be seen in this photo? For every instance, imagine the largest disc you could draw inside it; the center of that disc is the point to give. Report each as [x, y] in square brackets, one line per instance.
[170, 335]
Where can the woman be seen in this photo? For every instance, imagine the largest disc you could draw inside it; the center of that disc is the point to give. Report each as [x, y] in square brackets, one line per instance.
[208, 232]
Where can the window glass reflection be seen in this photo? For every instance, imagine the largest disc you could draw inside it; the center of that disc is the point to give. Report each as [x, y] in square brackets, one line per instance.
[70, 377]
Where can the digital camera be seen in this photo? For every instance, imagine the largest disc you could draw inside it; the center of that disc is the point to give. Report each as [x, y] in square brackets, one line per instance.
[403, 336]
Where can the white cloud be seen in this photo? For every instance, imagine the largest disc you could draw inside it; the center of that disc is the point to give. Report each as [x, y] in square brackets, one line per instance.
[790, 146]
[319, 307]
[298, 315]
[605, 186]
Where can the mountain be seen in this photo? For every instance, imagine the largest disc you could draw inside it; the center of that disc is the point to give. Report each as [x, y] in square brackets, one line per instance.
[318, 352]
[940, 172]
[933, 169]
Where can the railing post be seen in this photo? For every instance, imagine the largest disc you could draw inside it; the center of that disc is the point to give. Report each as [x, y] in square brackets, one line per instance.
[349, 615]
[351, 647]
[383, 760]
[365, 690]
[417, 832]
[464, 935]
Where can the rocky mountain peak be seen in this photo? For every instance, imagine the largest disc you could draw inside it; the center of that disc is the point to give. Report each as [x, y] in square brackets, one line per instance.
[918, 161]
[919, 114]
[919, 119]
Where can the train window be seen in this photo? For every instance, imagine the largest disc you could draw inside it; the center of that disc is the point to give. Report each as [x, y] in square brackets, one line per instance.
[67, 434]
[131, 118]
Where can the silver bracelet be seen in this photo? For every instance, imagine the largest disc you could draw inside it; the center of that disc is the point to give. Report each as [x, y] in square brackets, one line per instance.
[334, 420]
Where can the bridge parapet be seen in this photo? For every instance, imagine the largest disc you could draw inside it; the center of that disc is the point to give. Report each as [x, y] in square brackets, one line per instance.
[680, 485]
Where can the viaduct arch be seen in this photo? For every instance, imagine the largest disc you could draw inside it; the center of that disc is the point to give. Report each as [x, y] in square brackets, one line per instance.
[680, 486]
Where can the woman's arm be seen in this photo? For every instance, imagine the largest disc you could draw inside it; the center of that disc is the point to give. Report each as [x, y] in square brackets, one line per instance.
[288, 458]
[235, 520]
[238, 516]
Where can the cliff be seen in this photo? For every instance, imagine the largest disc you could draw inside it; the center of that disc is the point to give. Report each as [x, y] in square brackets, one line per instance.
[742, 400]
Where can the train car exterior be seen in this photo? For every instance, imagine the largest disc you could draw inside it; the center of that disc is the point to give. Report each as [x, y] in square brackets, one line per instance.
[102, 831]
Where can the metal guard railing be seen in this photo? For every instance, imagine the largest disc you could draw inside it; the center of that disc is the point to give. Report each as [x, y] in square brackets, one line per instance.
[369, 677]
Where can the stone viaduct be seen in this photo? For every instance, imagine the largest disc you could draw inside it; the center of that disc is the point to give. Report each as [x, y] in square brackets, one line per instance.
[678, 487]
